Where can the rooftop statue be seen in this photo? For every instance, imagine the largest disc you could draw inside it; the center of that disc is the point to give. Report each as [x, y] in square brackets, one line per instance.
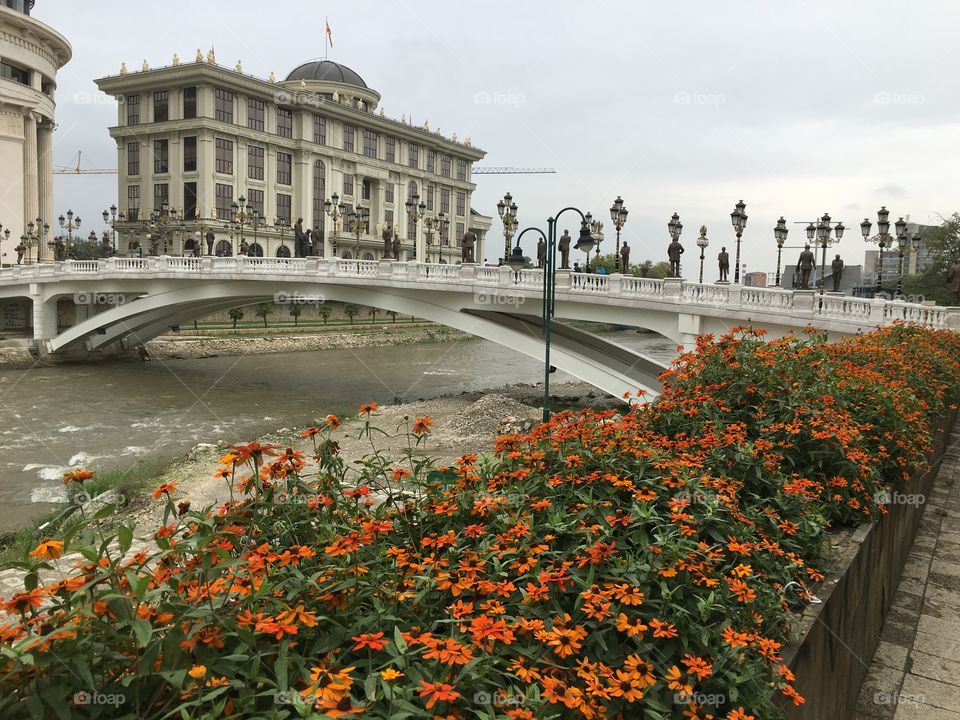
[123, 68]
[199, 57]
[176, 60]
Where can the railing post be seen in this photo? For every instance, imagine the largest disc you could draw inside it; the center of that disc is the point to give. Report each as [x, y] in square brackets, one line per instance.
[563, 279]
[504, 275]
[735, 296]
[673, 289]
[385, 268]
[468, 271]
[804, 302]
[877, 306]
[615, 283]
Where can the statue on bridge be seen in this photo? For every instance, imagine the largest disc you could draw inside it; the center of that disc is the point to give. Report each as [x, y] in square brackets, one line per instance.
[106, 246]
[541, 253]
[299, 238]
[467, 245]
[805, 266]
[21, 249]
[308, 242]
[565, 240]
[210, 237]
[723, 260]
[674, 251]
[625, 258]
[387, 235]
[59, 249]
[837, 267]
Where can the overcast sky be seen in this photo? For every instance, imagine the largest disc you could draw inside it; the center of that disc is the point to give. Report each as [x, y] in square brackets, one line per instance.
[797, 107]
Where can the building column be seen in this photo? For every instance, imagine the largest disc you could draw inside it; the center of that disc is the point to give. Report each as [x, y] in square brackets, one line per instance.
[31, 170]
[45, 186]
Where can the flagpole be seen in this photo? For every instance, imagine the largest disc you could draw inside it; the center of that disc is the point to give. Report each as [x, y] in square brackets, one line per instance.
[326, 38]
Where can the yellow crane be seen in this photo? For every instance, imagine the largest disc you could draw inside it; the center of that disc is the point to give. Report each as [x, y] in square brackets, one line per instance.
[75, 169]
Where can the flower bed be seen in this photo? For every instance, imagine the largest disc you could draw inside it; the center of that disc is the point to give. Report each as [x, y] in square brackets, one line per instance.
[634, 565]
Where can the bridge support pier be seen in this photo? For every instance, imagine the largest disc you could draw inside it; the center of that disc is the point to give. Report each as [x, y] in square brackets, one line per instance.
[688, 327]
[44, 315]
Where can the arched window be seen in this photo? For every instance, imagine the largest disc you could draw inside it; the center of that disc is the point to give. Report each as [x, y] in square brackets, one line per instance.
[223, 249]
[346, 255]
[283, 251]
[411, 226]
[255, 250]
[368, 256]
[319, 195]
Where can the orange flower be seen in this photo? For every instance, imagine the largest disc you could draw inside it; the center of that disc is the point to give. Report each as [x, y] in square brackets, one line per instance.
[739, 714]
[48, 550]
[197, 671]
[422, 426]
[697, 666]
[674, 681]
[374, 641]
[78, 475]
[391, 674]
[166, 488]
[368, 408]
[438, 691]
[328, 685]
[333, 422]
[633, 628]
[627, 685]
[662, 629]
[21, 602]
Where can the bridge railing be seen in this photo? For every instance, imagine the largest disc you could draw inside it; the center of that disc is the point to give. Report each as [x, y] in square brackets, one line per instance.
[641, 287]
[766, 299]
[706, 294]
[842, 307]
[926, 314]
[589, 282]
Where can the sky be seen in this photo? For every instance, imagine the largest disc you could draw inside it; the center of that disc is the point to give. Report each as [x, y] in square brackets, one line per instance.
[797, 107]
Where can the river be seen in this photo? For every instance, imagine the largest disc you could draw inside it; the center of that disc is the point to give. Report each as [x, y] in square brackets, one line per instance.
[114, 415]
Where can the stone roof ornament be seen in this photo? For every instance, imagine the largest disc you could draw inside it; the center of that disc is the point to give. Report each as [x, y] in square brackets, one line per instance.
[212, 56]
[199, 57]
[336, 96]
[453, 137]
[381, 112]
[145, 66]
[273, 77]
[403, 118]
[468, 142]
[426, 124]
[238, 67]
[303, 84]
[123, 68]
[176, 60]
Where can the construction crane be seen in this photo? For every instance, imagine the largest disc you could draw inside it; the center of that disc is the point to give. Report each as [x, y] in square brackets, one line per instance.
[511, 171]
[75, 170]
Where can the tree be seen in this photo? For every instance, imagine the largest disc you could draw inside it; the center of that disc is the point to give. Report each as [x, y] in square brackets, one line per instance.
[235, 314]
[325, 312]
[393, 314]
[295, 310]
[373, 314]
[263, 309]
[659, 271]
[351, 311]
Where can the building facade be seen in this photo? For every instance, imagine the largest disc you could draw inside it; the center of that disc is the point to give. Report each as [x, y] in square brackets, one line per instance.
[915, 262]
[30, 56]
[208, 152]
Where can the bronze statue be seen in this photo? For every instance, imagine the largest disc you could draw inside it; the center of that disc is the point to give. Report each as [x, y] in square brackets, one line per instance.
[625, 258]
[298, 237]
[837, 267]
[565, 240]
[954, 279]
[396, 246]
[723, 260]
[467, 245]
[674, 251]
[805, 265]
[387, 235]
[308, 242]
[541, 252]
[210, 237]
[21, 249]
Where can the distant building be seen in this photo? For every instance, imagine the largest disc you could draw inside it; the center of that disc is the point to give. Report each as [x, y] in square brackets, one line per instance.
[755, 279]
[914, 263]
[30, 56]
[851, 278]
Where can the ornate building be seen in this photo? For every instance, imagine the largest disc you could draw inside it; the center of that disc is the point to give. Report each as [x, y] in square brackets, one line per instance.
[208, 149]
[30, 56]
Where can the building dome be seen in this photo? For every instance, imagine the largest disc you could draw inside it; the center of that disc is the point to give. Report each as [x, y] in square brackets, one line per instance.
[326, 71]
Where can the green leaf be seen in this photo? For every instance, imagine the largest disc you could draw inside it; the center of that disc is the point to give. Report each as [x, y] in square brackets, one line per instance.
[142, 630]
[125, 537]
[398, 639]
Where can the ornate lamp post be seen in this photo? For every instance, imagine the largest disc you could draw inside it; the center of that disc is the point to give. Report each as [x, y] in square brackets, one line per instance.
[821, 233]
[903, 246]
[69, 223]
[586, 241]
[282, 225]
[436, 225]
[675, 227]
[110, 218]
[702, 243]
[883, 239]
[336, 210]
[36, 232]
[507, 209]
[739, 220]
[618, 214]
[416, 209]
[780, 234]
[596, 230]
[358, 222]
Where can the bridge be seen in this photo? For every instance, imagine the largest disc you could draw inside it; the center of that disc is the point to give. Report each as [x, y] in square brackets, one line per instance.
[121, 303]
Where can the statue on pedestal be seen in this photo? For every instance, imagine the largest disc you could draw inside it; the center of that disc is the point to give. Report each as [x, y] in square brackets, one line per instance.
[565, 241]
[387, 236]
[209, 237]
[625, 258]
[805, 266]
[541, 252]
[837, 267]
[674, 251]
[723, 260]
[396, 246]
[467, 245]
[298, 238]
[21, 249]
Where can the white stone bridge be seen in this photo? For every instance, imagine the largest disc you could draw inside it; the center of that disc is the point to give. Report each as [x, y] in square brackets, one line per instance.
[121, 303]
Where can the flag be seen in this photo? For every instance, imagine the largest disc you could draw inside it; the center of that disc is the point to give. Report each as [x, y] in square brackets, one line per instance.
[329, 34]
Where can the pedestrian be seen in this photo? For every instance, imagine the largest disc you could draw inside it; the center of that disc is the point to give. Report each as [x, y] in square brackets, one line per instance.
[602, 270]
[576, 267]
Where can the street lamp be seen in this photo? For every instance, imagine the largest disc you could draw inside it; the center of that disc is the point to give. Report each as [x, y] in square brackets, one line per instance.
[675, 227]
[69, 224]
[336, 210]
[902, 247]
[739, 220]
[780, 233]
[358, 222]
[36, 231]
[416, 209]
[586, 240]
[507, 209]
[436, 225]
[618, 214]
[110, 218]
[821, 232]
[702, 243]
[883, 240]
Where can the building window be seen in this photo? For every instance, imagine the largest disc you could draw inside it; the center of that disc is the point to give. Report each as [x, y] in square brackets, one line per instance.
[224, 156]
[133, 202]
[224, 105]
[161, 156]
[445, 201]
[388, 218]
[190, 153]
[391, 152]
[189, 200]
[161, 106]
[284, 168]
[431, 191]
[189, 103]
[254, 162]
[224, 194]
[431, 161]
[319, 130]
[255, 201]
[445, 165]
[12, 72]
[133, 109]
[411, 225]
[319, 195]
[413, 155]
[348, 185]
[133, 158]
[348, 138]
[370, 141]
[255, 114]
[388, 193]
[365, 189]
[285, 122]
[461, 169]
[161, 195]
[283, 208]
[459, 235]
[461, 203]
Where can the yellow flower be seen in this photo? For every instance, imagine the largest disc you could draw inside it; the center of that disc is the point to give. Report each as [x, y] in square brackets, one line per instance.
[197, 671]
[391, 674]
